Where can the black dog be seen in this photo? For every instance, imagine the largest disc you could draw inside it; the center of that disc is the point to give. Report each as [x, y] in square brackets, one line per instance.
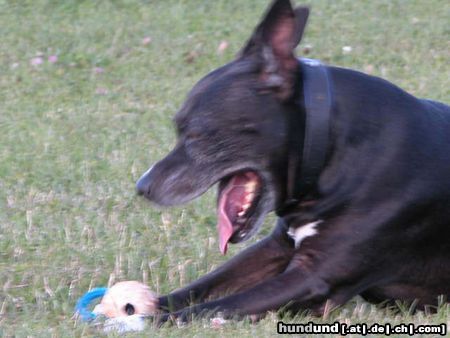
[357, 170]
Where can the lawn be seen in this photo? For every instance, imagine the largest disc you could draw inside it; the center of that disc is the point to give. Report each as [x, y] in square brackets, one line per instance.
[87, 92]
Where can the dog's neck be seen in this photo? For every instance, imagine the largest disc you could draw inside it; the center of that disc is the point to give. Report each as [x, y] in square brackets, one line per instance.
[307, 156]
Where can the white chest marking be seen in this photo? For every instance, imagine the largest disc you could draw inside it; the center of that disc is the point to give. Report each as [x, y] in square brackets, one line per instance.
[300, 233]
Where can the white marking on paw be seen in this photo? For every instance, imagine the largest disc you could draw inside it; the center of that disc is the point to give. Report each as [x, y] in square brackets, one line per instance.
[180, 323]
[300, 233]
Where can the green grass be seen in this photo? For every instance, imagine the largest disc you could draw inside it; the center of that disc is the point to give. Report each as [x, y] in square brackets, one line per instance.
[76, 134]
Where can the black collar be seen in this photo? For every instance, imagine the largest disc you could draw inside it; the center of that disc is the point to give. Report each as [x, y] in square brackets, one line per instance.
[305, 166]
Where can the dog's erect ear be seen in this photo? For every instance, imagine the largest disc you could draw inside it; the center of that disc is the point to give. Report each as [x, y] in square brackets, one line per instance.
[274, 41]
[301, 18]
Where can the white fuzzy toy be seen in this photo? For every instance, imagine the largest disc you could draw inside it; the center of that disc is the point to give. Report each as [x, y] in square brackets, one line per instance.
[125, 304]
[127, 298]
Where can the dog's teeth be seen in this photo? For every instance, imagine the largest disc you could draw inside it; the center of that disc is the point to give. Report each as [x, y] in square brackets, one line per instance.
[245, 206]
[242, 234]
[250, 186]
[241, 213]
[249, 197]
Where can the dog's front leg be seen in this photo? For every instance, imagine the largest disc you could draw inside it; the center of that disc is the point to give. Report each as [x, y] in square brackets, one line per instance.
[263, 260]
[269, 295]
[323, 268]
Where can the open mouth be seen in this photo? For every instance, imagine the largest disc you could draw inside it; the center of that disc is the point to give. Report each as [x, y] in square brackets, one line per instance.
[239, 196]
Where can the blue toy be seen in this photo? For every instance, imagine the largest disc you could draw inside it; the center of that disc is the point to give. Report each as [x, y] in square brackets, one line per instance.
[82, 305]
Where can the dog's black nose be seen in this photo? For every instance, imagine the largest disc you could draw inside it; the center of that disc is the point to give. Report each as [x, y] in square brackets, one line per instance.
[140, 188]
[143, 184]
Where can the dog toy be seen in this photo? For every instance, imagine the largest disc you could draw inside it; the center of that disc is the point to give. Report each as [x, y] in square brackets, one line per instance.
[125, 305]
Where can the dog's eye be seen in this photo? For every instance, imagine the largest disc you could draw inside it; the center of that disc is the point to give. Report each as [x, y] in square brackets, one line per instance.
[129, 309]
[250, 128]
[192, 135]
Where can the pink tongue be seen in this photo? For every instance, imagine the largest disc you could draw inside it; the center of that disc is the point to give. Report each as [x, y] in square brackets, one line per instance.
[224, 225]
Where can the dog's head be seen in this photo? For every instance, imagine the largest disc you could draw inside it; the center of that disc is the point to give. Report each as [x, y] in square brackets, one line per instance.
[232, 129]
